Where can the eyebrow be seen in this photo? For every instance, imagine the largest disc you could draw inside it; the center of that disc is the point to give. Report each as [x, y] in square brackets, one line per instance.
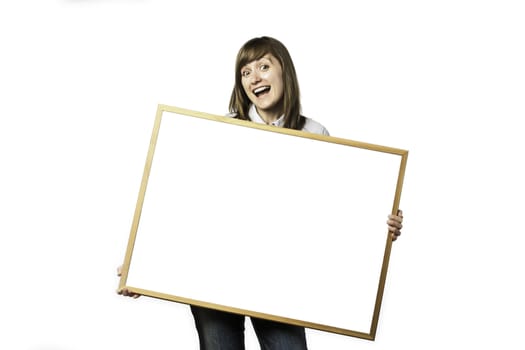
[266, 56]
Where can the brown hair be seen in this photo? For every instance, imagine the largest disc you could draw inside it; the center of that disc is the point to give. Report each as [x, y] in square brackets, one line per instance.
[255, 49]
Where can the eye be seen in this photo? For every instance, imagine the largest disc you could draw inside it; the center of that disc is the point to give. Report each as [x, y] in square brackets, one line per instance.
[245, 73]
[265, 67]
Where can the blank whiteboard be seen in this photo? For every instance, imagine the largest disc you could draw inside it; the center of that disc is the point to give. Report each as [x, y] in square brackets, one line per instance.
[264, 221]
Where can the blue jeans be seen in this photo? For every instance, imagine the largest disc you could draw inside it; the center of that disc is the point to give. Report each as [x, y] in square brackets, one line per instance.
[220, 330]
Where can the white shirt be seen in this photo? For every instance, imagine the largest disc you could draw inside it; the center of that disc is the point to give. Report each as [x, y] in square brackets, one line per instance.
[310, 125]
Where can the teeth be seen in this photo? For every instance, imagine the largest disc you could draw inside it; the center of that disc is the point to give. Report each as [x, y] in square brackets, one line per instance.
[261, 89]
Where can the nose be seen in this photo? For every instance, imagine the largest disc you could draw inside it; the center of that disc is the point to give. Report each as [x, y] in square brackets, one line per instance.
[255, 77]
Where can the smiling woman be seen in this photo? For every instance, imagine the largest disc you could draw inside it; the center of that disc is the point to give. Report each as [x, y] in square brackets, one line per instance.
[266, 87]
[262, 82]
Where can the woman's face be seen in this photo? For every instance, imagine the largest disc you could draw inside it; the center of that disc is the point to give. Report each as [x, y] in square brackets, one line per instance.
[262, 81]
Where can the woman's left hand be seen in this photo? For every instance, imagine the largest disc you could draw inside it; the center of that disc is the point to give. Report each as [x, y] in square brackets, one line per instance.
[395, 224]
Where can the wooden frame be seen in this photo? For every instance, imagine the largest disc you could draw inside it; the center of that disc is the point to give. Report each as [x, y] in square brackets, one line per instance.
[263, 221]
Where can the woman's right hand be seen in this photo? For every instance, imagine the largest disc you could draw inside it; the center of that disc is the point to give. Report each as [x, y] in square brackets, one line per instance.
[125, 291]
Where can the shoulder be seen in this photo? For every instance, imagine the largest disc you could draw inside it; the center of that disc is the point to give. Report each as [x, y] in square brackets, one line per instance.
[314, 127]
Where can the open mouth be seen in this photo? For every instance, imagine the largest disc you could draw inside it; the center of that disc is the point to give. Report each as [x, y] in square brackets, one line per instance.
[261, 90]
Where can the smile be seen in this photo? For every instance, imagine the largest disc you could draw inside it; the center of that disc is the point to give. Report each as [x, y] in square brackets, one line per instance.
[261, 90]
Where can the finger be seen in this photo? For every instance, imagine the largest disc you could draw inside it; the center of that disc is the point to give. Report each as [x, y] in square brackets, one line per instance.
[127, 293]
[394, 224]
[400, 213]
[119, 271]
[395, 234]
[395, 218]
[123, 292]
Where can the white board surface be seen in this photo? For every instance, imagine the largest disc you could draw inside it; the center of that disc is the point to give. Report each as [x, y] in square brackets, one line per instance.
[263, 221]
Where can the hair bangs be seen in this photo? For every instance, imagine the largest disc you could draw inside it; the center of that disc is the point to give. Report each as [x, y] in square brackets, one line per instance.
[254, 49]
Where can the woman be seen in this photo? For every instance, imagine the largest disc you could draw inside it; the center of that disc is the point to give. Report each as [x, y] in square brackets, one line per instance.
[266, 88]
[266, 91]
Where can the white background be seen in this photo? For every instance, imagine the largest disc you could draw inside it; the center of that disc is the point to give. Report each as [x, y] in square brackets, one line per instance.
[79, 85]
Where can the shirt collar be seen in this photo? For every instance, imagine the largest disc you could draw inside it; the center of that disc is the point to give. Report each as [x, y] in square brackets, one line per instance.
[255, 117]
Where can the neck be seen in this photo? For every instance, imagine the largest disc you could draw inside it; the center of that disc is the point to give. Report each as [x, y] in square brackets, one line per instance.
[270, 115]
